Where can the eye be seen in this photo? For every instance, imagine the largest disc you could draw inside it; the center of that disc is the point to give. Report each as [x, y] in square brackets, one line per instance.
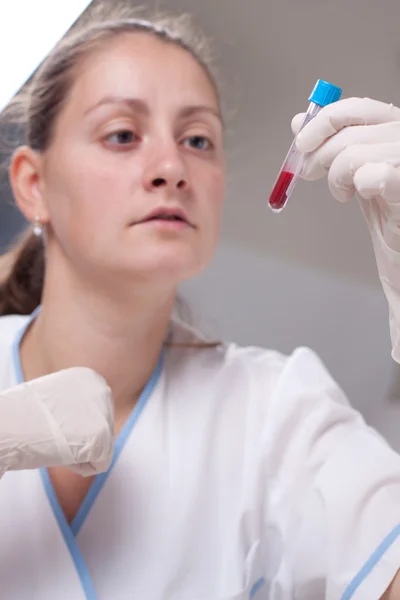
[199, 142]
[123, 137]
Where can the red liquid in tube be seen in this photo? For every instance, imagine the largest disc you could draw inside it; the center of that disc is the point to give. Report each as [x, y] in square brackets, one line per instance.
[278, 197]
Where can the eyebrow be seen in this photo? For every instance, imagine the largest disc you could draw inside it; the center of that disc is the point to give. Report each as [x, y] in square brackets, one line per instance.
[137, 105]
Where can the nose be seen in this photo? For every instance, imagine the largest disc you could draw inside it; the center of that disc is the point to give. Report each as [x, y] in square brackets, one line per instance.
[166, 170]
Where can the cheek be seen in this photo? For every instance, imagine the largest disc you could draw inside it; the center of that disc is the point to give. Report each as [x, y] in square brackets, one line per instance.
[214, 189]
[215, 195]
[87, 195]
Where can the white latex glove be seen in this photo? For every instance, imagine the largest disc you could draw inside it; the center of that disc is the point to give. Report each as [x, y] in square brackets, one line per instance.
[356, 142]
[65, 418]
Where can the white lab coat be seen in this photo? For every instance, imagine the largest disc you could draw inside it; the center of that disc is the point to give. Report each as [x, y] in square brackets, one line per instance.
[241, 474]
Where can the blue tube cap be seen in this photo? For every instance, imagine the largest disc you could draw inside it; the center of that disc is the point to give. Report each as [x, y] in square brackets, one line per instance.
[325, 93]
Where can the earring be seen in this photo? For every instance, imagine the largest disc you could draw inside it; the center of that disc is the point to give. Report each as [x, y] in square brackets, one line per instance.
[37, 227]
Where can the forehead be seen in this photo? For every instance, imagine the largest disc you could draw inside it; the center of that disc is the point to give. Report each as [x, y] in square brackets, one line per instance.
[139, 64]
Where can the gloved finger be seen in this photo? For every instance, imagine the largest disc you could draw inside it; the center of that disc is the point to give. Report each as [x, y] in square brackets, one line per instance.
[297, 122]
[378, 180]
[81, 417]
[346, 164]
[317, 163]
[378, 191]
[344, 113]
[61, 419]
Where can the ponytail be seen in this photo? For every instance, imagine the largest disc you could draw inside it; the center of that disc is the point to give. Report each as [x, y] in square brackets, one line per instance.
[22, 275]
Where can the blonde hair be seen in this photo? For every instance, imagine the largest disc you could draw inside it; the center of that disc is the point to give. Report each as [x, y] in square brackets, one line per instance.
[37, 107]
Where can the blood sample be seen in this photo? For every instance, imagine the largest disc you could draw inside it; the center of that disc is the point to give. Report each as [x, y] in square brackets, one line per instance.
[278, 197]
[324, 93]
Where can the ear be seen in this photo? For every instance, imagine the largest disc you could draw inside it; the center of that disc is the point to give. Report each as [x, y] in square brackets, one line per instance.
[26, 183]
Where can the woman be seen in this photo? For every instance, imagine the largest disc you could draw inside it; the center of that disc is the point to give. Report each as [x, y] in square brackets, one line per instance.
[238, 473]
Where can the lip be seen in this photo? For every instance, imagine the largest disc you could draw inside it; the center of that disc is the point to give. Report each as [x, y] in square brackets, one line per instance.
[168, 212]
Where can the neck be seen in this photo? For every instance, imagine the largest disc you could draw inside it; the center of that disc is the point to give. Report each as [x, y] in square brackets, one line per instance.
[120, 339]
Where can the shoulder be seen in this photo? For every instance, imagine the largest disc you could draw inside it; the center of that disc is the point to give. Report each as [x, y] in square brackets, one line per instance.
[260, 376]
[284, 413]
[189, 349]
[302, 367]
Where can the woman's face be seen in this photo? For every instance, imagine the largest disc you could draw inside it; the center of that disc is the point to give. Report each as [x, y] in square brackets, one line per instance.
[140, 135]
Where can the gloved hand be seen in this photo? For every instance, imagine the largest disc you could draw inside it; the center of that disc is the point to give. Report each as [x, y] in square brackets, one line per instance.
[65, 418]
[356, 142]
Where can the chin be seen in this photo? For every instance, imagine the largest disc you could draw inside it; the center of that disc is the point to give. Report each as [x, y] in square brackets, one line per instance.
[164, 271]
[171, 263]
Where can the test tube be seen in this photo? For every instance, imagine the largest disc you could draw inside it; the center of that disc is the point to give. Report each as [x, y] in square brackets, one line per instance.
[324, 93]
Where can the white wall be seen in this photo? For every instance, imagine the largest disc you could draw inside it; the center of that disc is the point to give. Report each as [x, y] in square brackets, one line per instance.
[268, 302]
[33, 32]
